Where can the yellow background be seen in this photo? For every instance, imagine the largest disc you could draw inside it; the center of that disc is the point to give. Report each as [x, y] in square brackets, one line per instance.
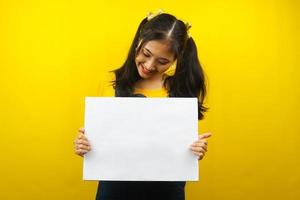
[52, 54]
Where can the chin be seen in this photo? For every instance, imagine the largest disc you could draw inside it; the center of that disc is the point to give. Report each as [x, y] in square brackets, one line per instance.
[142, 74]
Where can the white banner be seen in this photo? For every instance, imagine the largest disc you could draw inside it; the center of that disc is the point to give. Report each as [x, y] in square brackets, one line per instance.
[141, 139]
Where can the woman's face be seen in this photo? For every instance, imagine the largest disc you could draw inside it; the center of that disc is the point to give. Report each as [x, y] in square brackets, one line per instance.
[153, 59]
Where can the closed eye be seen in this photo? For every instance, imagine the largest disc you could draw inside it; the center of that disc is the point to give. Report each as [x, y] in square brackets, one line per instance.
[147, 55]
[163, 63]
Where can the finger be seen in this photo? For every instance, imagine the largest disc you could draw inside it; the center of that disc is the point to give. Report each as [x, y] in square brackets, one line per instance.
[84, 147]
[81, 152]
[198, 144]
[204, 135]
[198, 149]
[81, 130]
[82, 136]
[203, 146]
[77, 153]
[204, 141]
[198, 154]
[83, 141]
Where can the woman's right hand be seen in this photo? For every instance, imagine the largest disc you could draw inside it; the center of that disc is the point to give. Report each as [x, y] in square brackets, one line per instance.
[81, 143]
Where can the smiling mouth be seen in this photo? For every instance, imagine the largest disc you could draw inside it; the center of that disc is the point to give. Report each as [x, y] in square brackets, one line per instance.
[146, 71]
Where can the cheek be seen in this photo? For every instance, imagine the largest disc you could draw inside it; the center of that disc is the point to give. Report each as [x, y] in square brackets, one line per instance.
[164, 68]
[138, 59]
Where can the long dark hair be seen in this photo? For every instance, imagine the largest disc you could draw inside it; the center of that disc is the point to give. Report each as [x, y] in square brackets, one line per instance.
[188, 79]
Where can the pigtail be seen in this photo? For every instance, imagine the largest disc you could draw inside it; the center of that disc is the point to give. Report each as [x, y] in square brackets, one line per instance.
[189, 80]
[127, 74]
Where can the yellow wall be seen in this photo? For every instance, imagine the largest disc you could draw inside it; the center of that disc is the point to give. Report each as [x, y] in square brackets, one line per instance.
[52, 54]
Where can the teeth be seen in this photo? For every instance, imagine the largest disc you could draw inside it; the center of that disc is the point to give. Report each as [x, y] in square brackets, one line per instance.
[145, 69]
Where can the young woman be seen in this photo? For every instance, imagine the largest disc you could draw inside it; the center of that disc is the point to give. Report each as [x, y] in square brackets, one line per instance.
[161, 43]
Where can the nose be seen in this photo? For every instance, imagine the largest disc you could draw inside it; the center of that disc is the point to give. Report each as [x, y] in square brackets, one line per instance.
[150, 65]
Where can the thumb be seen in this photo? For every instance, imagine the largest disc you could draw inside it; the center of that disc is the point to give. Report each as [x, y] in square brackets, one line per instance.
[81, 130]
[204, 136]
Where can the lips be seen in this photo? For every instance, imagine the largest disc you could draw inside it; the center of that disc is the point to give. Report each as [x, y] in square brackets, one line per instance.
[145, 71]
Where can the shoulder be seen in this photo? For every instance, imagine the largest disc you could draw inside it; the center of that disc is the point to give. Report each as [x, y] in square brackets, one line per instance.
[108, 76]
[106, 84]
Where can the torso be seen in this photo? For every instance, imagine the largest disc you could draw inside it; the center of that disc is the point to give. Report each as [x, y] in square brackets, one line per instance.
[147, 88]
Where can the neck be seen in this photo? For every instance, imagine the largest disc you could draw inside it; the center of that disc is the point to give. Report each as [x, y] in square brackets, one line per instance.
[150, 83]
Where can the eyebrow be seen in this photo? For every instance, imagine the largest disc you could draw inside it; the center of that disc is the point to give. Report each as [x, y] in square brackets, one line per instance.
[159, 57]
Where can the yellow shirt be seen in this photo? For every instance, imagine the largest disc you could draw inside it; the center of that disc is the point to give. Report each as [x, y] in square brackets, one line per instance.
[106, 88]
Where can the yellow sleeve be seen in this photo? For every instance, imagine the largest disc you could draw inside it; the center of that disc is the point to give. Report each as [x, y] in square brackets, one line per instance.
[105, 88]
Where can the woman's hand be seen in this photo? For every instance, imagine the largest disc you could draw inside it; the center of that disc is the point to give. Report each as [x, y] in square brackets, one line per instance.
[81, 143]
[199, 147]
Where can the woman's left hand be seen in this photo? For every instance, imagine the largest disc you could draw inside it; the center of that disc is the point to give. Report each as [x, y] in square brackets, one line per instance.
[199, 147]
